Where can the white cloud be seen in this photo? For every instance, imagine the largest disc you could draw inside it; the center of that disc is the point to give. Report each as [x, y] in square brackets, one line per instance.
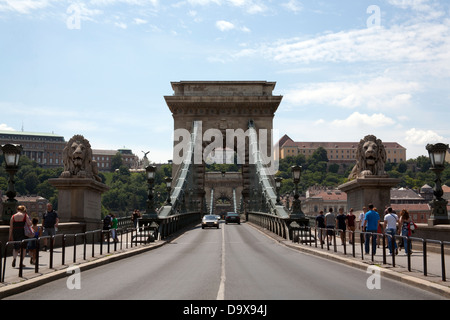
[422, 137]
[293, 5]
[23, 6]
[377, 93]
[357, 119]
[418, 42]
[140, 21]
[4, 126]
[128, 2]
[121, 25]
[223, 25]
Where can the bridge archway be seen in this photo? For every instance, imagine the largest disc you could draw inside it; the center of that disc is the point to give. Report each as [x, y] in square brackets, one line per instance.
[221, 107]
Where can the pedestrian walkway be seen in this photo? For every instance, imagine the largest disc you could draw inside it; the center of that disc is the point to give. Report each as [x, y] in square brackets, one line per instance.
[55, 264]
[435, 266]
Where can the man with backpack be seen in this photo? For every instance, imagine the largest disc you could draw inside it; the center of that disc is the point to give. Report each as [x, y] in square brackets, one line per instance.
[107, 223]
[50, 222]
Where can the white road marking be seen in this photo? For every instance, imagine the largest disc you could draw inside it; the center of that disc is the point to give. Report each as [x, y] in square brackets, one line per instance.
[221, 293]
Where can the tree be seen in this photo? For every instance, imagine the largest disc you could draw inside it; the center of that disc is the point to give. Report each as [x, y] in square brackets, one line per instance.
[116, 161]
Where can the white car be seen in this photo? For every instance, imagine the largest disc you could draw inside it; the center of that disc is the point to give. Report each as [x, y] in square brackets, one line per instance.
[210, 221]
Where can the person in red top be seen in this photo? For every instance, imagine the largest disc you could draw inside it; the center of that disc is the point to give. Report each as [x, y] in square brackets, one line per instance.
[351, 218]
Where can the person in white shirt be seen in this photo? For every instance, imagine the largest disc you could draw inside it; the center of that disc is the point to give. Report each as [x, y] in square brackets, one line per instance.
[361, 222]
[390, 225]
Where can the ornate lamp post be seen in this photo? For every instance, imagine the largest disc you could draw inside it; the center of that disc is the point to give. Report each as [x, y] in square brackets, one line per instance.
[297, 214]
[11, 152]
[296, 205]
[278, 181]
[439, 213]
[169, 188]
[151, 172]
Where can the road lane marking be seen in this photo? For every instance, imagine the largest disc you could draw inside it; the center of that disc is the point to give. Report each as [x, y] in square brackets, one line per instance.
[221, 293]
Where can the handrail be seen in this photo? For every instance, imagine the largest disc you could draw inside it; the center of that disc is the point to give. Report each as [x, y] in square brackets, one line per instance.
[182, 174]
[385, 237]
[264, 176]
[4, 249]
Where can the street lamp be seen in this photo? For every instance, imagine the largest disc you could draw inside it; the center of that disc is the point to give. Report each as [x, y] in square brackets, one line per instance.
[11, 152]
[169, 188]
[150, 172]
[296, 173]
[297, 212]
[278, 181]
[439, 213]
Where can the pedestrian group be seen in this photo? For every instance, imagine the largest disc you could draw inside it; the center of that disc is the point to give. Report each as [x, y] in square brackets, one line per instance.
[371, 226]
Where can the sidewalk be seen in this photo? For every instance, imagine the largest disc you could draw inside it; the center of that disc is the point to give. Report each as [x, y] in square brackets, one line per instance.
[432, 282]
[78, 255]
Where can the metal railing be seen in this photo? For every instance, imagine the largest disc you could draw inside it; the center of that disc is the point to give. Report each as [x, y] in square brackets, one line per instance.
[96, 239]
[312, 235]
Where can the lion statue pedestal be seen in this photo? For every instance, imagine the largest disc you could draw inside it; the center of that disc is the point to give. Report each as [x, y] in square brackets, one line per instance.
[369, 183]
[363, 191]
[79, 186]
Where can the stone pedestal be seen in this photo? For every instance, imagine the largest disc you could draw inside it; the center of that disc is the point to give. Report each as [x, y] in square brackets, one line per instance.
[79, 200]
[363, 191]
[439, 212]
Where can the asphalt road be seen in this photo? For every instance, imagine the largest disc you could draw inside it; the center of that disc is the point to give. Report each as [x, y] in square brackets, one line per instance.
[235, 262]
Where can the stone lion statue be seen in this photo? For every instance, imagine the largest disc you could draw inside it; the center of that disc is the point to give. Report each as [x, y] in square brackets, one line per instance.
[77, 159]
[370, 158]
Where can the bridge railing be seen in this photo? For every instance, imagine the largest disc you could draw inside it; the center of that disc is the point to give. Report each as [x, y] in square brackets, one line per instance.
[93, 243]
[272, 223]
[164, 226]
[317, 237]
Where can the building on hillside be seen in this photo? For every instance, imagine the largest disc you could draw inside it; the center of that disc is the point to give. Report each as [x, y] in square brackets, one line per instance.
[36, 205]
[406, 196]
[104, 158]
[321, 199]
[44, 148]
[337, 152]
[47, 150]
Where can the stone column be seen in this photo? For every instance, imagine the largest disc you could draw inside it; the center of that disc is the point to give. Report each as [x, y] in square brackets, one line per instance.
[79, 200]
[371, 189]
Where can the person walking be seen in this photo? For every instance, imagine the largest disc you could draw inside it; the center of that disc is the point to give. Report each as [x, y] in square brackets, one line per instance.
[17, 232]
[107, 222]
[32, 245]
[361, 224]
[330, 222]
[341, 224]
[405, 225]
[390, 227]
[351, 224]
[371, 220]
[320, 224]
[135, 217]
[50, 222]
[114, 224]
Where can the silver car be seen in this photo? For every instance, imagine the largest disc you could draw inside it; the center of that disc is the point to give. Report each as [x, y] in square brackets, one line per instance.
[210, 221]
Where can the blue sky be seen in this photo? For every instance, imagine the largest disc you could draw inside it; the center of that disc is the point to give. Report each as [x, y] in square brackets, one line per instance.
[345, 68]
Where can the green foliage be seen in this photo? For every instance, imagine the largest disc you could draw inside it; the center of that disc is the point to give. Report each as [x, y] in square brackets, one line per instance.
[316, 170]
[129, 190]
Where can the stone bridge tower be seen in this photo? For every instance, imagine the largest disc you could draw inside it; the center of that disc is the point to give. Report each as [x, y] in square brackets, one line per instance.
[223, 105]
